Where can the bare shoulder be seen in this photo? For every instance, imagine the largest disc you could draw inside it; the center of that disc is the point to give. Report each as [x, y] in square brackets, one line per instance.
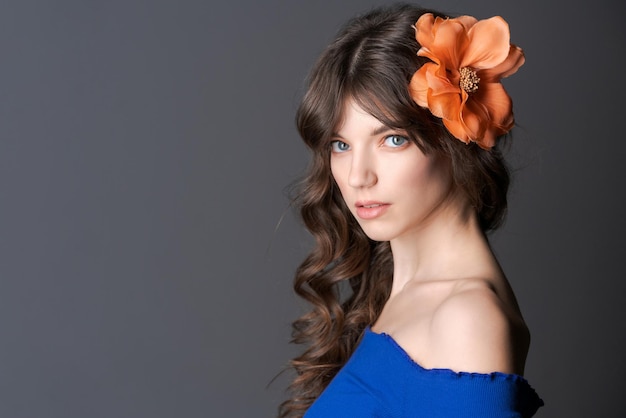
[474, 330]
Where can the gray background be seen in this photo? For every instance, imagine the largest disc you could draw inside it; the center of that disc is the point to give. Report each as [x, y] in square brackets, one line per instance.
[145, 148]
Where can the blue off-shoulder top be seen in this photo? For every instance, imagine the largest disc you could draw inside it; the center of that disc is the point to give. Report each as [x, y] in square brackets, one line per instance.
[381, 380]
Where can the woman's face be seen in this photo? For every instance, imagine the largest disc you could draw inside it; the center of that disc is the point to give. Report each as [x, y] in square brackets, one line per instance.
[389, 185]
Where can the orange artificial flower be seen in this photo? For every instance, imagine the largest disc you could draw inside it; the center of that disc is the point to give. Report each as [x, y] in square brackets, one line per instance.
[462, 83]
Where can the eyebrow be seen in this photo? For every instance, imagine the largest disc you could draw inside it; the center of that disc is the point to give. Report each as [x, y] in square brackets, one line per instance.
[377, 131]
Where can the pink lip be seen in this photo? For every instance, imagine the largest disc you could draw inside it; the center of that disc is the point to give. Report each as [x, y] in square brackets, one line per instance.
[369, 209]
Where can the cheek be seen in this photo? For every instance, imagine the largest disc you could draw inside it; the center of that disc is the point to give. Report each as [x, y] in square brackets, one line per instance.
[420, 177]
[411, 170]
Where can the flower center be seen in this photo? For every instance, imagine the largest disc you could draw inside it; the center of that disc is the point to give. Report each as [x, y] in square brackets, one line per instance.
[469, 80]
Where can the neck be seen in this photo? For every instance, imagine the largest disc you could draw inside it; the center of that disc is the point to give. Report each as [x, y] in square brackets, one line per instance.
[448, 246]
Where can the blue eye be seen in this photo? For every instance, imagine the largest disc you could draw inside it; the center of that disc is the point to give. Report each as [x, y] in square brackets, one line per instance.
[339, 146]
[395, 141]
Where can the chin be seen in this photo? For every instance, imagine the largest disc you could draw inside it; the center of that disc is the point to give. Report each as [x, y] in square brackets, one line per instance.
[378, 234]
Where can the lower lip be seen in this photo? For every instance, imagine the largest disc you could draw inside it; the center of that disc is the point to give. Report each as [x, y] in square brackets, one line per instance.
[371, 213]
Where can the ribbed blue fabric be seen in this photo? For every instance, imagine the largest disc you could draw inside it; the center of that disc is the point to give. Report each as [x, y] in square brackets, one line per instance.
[380, 380]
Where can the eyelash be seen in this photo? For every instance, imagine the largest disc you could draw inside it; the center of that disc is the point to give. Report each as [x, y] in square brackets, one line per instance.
[404, 139]
[336, 145]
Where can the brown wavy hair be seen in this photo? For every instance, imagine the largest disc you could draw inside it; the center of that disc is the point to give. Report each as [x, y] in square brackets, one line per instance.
[347, 277]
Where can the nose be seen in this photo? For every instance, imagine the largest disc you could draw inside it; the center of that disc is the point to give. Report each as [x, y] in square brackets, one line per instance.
[362, 170]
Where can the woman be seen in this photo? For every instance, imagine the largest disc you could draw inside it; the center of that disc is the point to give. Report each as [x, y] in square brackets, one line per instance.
[412, 315]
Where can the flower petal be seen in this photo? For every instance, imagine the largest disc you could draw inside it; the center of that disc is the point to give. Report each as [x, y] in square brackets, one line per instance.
[424, 29]
[443, 38]
[488, 45]
[418, 87]
[499, 106]
[473, 119]
[509, 66]
[457, 129]
[439, 83]
[466, 21]
[493, 106]
[444, 98]
[445, 105]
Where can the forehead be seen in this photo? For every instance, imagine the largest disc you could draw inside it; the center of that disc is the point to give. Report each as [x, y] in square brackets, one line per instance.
[353, 119]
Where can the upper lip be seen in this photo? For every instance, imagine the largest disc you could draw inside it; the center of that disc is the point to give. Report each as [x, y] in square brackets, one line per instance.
[366, 203]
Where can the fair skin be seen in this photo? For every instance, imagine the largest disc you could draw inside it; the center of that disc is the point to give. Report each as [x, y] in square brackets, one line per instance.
[450, 305]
